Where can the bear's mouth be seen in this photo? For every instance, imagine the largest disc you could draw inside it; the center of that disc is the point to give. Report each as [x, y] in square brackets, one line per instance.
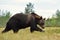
[41, 27]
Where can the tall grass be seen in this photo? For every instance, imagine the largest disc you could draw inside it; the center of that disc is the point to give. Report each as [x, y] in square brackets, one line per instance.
[51, 33]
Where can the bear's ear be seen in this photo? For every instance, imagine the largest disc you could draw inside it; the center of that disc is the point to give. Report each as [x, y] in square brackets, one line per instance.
[44, 18]
[33, 13]
[40, 17]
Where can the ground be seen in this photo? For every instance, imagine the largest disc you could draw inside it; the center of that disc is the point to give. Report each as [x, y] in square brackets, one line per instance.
[51, 33]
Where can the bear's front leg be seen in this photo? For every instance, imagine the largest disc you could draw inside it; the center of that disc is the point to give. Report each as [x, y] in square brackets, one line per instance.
[33, 26]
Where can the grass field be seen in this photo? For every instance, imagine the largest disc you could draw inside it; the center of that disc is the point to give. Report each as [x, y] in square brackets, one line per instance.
[51, 33]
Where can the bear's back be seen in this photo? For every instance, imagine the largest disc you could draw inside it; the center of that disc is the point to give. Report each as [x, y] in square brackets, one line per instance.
[21, 18]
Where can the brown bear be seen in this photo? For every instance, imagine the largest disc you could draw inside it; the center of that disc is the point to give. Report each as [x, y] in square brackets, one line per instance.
[21, 21]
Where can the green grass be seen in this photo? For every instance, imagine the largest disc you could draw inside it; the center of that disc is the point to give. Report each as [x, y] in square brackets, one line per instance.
[51, 33]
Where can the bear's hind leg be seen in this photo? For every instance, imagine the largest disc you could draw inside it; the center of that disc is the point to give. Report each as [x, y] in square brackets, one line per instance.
[15, 30]
[6, 30]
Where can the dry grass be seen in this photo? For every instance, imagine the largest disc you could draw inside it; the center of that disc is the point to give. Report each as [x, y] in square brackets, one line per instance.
[51, 33]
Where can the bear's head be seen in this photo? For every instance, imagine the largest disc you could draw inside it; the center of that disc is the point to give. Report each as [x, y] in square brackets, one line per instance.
[39, 20]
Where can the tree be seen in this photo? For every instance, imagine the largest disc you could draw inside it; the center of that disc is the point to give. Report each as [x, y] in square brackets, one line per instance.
[8, 14]
[58, 17]
[55, 20]
[58, 14]
[29, 8]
